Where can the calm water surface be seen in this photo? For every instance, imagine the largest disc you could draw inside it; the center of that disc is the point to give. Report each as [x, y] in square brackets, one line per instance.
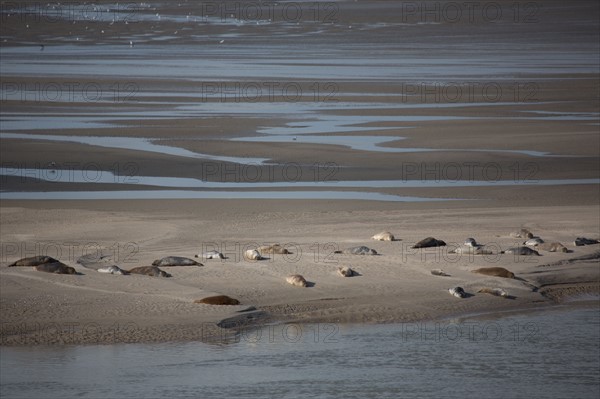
[550, 354]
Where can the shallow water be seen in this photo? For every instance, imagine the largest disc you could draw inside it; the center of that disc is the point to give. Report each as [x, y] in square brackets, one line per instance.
[549, 354]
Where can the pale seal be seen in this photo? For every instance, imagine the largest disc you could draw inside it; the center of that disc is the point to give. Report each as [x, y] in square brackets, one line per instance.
[360, 250]
[439, 272]
[533, 242]
[152, 271]
[522, 251]
[458, 292]
[580, 241]
[523, 233]
[273, 249]
[34, 261]
[176, 261]
[495, 271]
[471, 250]
[55, 267]
[346, 272]
[210, 255]
[552, 247]
[470, 242]
[218, 300]
[384, 236]
[114, 269]
[494, 291]
[252, 254]
[429, 242]
[296, 280]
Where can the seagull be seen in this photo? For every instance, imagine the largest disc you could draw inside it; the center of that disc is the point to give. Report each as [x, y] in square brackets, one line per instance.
[222, 41]
[131, 43]
[41, 47]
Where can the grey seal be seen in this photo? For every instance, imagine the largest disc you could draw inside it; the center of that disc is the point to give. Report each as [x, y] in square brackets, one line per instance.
[552, 247]
[55, 267]
[346, 272]
[535, 241]
[384, 236]
[429, 242]
[580, 241]
[176, 261]
[471, 250]
[210, 255]
[296, 280]
[439, 272]
[523, 251]
[252, 254]
[114, 269]
[33, 261]
[218, 300]
[273, 249]
[152, 271]
[360, 250]
[470, 242]
[523, 233]
[458, 292]
[495, 272]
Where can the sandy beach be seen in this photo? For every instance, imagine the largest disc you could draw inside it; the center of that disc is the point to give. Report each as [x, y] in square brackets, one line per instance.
[377, 117]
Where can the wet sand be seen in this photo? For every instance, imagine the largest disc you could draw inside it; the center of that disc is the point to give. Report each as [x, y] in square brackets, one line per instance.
[357, 80]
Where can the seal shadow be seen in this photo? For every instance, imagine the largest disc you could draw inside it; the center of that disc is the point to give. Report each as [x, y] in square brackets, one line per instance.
[468, 295]
[510, 297]
[310, 284]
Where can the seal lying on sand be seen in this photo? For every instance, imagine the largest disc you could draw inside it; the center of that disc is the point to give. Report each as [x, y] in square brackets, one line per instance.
[273, 249]
[535, 241]
[176, 261]
[218, 300]
[296, 280]
[361, 250]
[346, 272]
[429, 242]
[552, 247]
[523, 251]
[580, 241]
[470, 242]
[494, 291]
[210, 255]
[471, 250]
[152, 271]
[55, 267]
[495, 271]
[384, 236]
[112, 270]
[523, 233]
[34, 261]
[457, 292]
[252, 254]
[439, 272]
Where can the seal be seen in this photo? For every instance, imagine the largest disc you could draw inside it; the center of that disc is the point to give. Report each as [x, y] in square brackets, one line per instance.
[458, 292]
[252, 254]
[471, 250]
[552, 247]
[580, 241]
[522, 251]
[533, 242]
[439, 272]
[296, 280]
[33, 261]
[495, 271]
[176, 261]
[494, 291]
[273, 249]
[114, 269]
[429, 242]
[346, 272]
[384, 236]
[470, 242]
[55, 267]
[218, 300]
[210, 255]
[523, 233]
[152, 271]
[360, 250]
